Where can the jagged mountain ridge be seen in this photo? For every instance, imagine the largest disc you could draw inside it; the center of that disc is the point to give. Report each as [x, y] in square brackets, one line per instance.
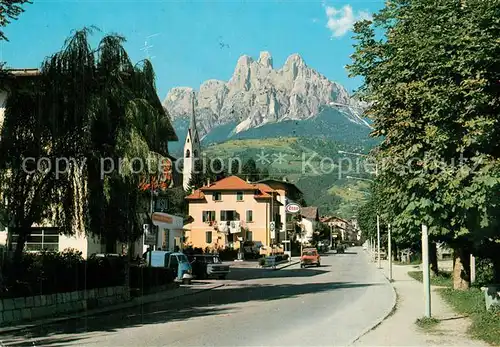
[257, 94]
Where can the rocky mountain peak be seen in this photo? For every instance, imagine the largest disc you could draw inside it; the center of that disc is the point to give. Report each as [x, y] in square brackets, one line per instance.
[266, 60]
[258, 94]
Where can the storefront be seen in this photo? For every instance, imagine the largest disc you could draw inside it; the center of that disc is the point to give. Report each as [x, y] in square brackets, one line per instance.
[170, 231]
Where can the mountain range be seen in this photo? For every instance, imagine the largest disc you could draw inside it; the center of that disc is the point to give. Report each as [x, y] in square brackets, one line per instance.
[262, 103]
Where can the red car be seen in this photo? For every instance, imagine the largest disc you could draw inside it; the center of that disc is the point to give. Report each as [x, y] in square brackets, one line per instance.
[310, 256]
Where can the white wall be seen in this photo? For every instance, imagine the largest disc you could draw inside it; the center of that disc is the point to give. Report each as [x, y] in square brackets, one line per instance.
[309, 226]
[3, 100]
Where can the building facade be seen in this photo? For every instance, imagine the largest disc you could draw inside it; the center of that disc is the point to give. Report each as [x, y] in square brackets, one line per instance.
[288, 193]
[308, 224]
[231, 211]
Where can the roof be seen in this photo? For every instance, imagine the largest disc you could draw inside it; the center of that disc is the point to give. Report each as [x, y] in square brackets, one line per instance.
[285, 183]
[24, 72]
[196, 195]
[230, 183]
[330, 218]
[234, 183]
[310, 212]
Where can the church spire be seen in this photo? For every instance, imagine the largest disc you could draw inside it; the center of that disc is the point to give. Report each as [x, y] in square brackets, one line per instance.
[192, 123]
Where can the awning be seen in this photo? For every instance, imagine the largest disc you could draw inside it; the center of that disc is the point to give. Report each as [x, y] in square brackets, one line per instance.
[167, 221]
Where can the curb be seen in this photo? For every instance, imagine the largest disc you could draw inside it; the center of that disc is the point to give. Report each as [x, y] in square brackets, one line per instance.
[386, 315]
[79, 315]
[289, 264]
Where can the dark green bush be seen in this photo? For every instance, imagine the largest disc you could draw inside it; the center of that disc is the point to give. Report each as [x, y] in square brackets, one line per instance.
[484, 272]
[53, 272]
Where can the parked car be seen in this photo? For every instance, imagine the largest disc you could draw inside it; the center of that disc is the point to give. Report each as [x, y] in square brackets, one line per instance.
[208, 265]
[177, 262]
[310, 256]
[251, 249]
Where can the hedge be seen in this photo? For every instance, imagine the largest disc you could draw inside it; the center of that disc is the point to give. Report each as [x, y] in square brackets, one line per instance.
[52, 272]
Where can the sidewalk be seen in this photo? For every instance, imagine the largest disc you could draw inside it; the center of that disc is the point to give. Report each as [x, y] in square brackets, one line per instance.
[138, 301]
[399, 329]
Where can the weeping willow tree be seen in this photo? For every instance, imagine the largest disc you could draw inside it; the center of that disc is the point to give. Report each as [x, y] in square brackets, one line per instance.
[95, 108]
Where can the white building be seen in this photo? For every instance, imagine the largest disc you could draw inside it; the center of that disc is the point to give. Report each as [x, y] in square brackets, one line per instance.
[192, 149]
[308, 224]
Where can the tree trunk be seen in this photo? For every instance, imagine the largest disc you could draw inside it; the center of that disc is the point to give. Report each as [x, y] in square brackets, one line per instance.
[461, 269]
[433, 259]
[20, 243]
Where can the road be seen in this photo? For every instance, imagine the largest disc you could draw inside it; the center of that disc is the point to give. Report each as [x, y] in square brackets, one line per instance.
[325, 306]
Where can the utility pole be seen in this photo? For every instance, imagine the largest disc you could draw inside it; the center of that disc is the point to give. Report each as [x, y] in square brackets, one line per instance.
[426, 270]
[378, 241]
[389, 251]
[472, 268]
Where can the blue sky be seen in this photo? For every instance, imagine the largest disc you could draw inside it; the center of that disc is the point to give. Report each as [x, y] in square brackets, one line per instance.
[187, 36]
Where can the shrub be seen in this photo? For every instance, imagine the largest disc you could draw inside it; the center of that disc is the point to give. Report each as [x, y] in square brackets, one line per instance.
[53, 272]
[262, 261]
[484, 272]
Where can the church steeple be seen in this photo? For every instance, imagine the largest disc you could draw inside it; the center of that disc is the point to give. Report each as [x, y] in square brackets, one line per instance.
[192, 122]
[192, 150]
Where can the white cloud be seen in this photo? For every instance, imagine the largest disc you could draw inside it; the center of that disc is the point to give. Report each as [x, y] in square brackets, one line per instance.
[341, 20]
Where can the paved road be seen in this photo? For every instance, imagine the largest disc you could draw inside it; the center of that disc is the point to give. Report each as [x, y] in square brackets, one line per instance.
[325, 306]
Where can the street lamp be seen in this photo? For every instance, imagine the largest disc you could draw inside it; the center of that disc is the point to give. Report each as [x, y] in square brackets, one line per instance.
[378, 217]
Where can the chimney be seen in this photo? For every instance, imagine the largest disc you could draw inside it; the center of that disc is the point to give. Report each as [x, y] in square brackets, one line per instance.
[208, 182]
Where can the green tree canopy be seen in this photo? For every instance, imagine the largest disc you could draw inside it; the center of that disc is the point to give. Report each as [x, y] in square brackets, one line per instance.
[10, 10]
[433, 83]
[95, 109]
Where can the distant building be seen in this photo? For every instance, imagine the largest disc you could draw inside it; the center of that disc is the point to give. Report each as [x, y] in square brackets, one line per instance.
[308, 224]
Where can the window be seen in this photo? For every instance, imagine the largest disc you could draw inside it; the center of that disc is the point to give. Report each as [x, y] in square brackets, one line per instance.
[249, 236]
[239, 196]
[195, 153]
[188, 153]
[216, 196]
[229, 215]
[174, 262]
[208, 216]
[40, 239]
[249, 216]
[208, 237]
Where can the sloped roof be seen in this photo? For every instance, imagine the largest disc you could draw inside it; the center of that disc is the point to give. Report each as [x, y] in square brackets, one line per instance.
[287, 184]
[196, 195]
[229, 183]
[310, 212]
[234, 183]
[332, 218]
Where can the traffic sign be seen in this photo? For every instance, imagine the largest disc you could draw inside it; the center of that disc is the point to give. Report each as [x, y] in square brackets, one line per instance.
[150, 239]
[292, 208]
[161, 204]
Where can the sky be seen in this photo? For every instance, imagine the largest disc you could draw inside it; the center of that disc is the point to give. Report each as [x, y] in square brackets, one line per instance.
[190, 42]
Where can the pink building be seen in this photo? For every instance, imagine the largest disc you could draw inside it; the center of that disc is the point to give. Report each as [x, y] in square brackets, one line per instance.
[231, 211]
